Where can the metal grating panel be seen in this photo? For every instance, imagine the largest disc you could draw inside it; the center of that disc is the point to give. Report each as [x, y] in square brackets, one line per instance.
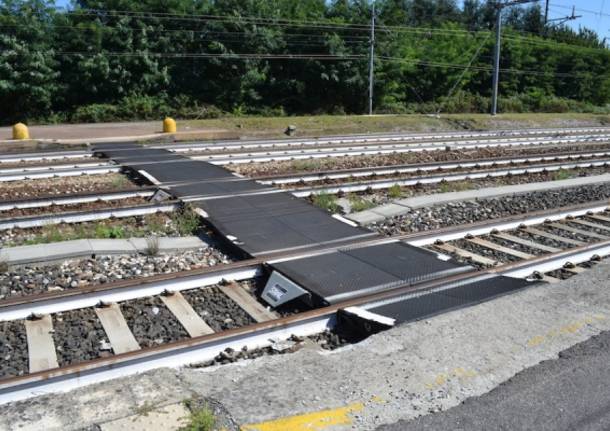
[425, 305]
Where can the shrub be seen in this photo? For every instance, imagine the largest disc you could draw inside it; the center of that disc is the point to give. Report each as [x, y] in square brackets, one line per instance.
[95, 113]
[186, 220]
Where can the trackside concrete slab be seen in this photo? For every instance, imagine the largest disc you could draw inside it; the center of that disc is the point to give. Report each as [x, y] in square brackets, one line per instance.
[411, 370]
[402, 206]
[63, 250]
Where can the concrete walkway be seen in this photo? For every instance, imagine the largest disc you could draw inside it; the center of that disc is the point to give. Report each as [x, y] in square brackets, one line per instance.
[568, 393]
[115, 132]
[402, 206]
[59, 251]
[406, 372]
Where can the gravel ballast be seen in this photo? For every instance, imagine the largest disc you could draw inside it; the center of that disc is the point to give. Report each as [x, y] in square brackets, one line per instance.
[59, 186]
[216, 309]
[466, 212]
[13, 349]
[151, 322]
[29, 280]
[367, 161]
[79, 336]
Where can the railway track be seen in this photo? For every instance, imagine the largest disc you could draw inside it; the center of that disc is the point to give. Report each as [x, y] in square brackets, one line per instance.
[87, 216]
[342, 180]
[177, 297]
[419, 168]
[235, 158]
[184, 317]
[507, 137]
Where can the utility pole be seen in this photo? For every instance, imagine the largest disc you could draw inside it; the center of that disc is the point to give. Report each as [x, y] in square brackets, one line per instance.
[372, 59]
[496, 73]
[546, 13]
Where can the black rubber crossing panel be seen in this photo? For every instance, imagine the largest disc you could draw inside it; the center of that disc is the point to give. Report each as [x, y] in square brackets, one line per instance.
[262, 219]
[345, 274]
[274, 222]
[218, 187]
[425, 305]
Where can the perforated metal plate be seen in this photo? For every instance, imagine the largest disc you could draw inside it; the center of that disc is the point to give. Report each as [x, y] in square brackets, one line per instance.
[425, 305]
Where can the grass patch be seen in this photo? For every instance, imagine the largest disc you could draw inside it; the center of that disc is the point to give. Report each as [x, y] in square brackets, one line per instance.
[562, 174]
[200, 419]
[306, 165]
[395, 191]
[150, 225]
[120, 182]
[326, 201]
[358, 204]
[455, 186]
[318, 125]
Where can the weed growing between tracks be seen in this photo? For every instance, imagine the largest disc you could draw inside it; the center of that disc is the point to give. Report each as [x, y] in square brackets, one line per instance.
[358, 203]
[326, 201]
[159, 224]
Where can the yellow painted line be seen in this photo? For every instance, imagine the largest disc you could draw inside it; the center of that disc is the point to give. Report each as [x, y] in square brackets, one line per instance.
[315, 421]
[570, 328]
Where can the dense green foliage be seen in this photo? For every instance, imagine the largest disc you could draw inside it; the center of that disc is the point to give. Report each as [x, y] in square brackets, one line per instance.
[144, 60]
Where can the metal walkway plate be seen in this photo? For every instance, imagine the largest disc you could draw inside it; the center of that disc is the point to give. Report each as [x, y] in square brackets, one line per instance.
[262, 220]
[427, 304]
[258, 218]
[348, 273]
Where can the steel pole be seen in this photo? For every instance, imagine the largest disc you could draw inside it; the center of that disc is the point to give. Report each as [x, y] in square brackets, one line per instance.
[496, 72]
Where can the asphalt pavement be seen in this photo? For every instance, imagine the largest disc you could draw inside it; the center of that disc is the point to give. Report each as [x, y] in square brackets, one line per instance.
[568, 393]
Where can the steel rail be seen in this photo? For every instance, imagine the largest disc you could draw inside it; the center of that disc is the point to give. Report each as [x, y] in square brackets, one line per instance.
[253, 336]
[22, 306]
[85, 216]
[50, 155]
[52, 173]
[355, 138]
[422, 167]
[375, 138]
[78, 198]
[8, 171]
[315, 153]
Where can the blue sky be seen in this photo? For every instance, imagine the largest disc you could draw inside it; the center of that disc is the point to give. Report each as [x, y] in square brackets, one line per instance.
[591, 9]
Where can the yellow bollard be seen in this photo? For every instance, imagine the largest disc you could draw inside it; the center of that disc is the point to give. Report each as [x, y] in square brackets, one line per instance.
[20, 131]
[169, 125]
